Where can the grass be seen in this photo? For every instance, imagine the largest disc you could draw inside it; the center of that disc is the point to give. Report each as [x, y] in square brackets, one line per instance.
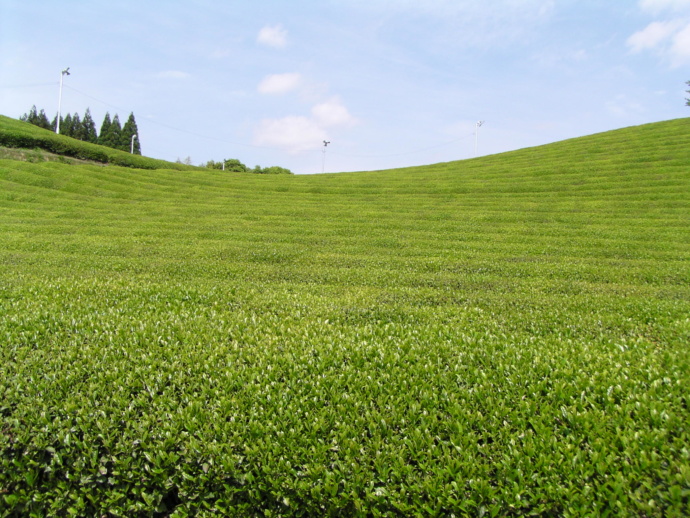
[499, 336]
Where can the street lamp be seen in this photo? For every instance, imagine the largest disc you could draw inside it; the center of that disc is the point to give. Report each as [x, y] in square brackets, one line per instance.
[476, 135]
[64, 73]
[131, 149]
[323, 164]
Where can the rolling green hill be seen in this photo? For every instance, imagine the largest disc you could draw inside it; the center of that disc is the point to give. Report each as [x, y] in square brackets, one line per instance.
[16, 134]
[500, 336]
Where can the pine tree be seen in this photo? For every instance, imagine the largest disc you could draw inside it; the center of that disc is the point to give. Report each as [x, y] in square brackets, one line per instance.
[66, 126]
[78, 128]
[89, 128]
[114, 134]
[31, 117]
[104, 135]
[36, 118]
[43, 121]
[128, 131]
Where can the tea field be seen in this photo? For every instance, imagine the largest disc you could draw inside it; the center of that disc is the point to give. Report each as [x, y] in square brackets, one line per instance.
[502, 336]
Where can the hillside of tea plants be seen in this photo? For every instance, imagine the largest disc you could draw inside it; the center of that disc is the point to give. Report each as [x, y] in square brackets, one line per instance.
[34, 144]
[502, 336]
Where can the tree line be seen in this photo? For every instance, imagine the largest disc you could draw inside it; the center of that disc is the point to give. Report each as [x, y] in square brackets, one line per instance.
[113, 134]
[234, 165]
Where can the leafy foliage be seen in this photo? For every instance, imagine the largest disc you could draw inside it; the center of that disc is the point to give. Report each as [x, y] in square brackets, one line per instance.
[504, 336]
[89, 132]
[272, 170]
[16, 134]
[129, 138]
[36, 118]
[112, 133]
[235, 166]
[67, 126]
[104, 135]
[114, 136]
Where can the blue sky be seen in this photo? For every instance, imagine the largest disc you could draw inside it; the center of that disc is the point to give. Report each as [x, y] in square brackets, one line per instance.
[388, 83]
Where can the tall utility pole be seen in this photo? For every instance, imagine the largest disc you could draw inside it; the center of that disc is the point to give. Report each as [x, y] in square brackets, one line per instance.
[323, 164]
[64, 73]
[476, 135]
[131, 149]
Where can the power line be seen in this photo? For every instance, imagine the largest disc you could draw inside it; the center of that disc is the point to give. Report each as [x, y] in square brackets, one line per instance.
[180, 130]
[253, 146]
[406, 152]
[29, 85]
[94, 98]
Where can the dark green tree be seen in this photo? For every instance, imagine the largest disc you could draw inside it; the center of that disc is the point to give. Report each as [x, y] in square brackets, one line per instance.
[43, 121]
[36, 118]
[275, 169]
[110, 132]
[66, 127]
[212, 164]
[78, 131]
[114, 134]
[89, 127]
[31, 117]
[105, 130]
[234, 165]
[53, 125]
[129, 130]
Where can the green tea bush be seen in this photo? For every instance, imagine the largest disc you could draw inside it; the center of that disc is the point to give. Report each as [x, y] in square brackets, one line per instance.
[504, 336]
[16, 134]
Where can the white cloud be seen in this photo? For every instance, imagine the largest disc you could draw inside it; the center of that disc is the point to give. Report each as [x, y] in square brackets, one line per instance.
[279, 83]
[653, 35]
[294, 134]
[273, 36]
[680, 49]
[332, 113]
[173, 74]
[670, 39]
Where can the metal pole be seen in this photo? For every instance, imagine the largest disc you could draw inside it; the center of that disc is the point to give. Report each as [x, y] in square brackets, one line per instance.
[323, 164]
[476, 136]
[64, 73]
[131, 151]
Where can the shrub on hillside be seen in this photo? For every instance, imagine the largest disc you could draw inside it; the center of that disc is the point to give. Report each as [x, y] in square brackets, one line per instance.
[53, 143]
[275, 170]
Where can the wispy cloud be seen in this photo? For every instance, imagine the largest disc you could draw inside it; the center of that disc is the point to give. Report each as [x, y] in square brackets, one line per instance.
[296, 134]
[332, 113]
[279, 83]
[654, 35]
[669, 38]
[293, 134]
[273, 36]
